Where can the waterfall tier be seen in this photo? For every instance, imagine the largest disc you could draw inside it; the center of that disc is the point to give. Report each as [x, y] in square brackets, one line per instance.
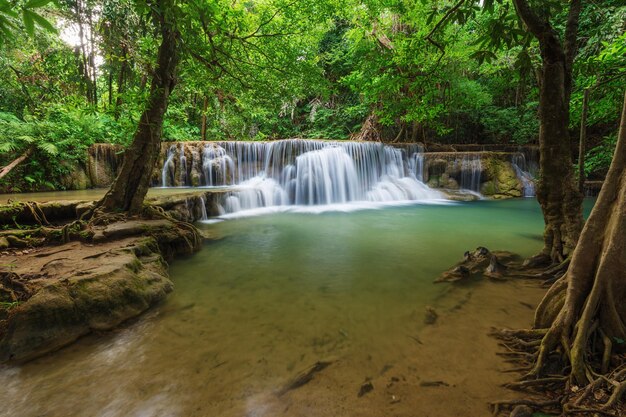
[299, 172]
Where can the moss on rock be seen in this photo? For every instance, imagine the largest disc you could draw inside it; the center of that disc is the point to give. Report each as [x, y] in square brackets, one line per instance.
[502, 181]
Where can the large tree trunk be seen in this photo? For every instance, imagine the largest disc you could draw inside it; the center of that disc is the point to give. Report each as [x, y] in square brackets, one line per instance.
[560, 200]
[584, 310]
[205, 106]
[557, 193]
[131, 185]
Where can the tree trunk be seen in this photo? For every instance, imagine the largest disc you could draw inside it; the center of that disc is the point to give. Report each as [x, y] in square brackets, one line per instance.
[205, 106]
[560, 201]
[92, 59]
[121, 79]
[131, 185]
[557, 193]
[110, 87]
[6, 169]
[582, 142]
[584, 310]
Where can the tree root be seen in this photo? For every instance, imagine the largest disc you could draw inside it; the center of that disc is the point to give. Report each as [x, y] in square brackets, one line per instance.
[546, 406]
[12, 288]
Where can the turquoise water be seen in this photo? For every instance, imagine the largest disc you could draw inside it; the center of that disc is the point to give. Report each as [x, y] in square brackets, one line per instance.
[276, 294]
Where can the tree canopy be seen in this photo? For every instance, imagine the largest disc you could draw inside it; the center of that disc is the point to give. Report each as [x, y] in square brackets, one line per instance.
[75, 72]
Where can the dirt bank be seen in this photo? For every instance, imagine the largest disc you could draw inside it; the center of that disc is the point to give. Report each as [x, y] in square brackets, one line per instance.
[52, 295]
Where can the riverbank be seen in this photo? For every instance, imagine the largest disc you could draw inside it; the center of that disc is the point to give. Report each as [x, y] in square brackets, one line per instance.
[51, 294]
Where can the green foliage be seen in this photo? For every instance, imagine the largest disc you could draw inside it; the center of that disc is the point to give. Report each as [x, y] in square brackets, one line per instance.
[262, 69]
[598, 159]
[59, 141]
[8, 305]
[16, 13]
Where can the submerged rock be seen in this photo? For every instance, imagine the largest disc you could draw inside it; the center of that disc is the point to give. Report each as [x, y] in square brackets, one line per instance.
[366, 388]
[431, 316]
[522, 411]
[495, 270]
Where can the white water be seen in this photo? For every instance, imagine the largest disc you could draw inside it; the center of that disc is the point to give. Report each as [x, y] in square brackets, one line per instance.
[307, 173]
[328, 175]
[168, 166]
[203, 213]
[521, 169]
[471, 171]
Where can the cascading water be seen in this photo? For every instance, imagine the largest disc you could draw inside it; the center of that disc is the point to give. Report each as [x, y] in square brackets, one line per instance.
[518, 161]
[183, 164]
[203, 213]
[307, 172]
[471, 171]
[416, 161]
[168, 167]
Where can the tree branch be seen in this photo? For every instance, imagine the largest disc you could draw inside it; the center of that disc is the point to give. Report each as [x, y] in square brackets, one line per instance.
[571, 31]
[535, 24]
[440, 23]
[268, 21]
[5, 170]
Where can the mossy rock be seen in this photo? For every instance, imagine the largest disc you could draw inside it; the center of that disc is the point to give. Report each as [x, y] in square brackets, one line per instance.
[100, 297]
[502, 180]
[76, 179]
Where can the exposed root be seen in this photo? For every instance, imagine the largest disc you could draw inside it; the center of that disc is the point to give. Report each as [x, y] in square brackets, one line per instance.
[549, 406]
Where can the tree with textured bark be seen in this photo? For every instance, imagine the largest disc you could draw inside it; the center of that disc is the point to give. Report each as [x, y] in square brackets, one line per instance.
[580, 325]
[560, 200]
[557, 192]
[131, 185]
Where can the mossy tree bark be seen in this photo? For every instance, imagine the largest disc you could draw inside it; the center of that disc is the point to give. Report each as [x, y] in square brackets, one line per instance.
[558, 195]
[131, 185]
[584, 310]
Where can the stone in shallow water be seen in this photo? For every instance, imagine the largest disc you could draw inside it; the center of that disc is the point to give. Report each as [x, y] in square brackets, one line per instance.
[365, 388]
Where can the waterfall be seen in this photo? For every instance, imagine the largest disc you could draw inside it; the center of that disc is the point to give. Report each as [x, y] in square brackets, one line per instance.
[216, 165]
[471, 171]
[518, 161]
[416, 161]
[203, 213]
[183, 165]
[168, 167]
[299, 172]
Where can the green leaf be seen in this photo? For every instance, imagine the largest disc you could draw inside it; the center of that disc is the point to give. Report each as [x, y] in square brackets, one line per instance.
[32, 4]
[26, 138]
[43, 23]
[7, 9]
[7, 147]
[49, 148]
[29, 22]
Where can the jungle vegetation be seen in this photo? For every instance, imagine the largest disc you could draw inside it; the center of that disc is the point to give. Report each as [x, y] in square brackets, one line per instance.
[77, 72]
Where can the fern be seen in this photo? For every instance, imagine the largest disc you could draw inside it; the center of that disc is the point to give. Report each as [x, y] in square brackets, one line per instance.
[48, 148]
[7, 147]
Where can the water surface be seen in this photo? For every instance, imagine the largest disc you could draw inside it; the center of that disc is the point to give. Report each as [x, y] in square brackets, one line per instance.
[278, 293]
